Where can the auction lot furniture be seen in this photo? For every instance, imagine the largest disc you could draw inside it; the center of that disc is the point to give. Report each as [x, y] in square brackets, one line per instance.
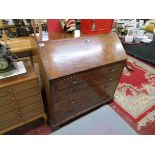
[20, 100]
[80, 74]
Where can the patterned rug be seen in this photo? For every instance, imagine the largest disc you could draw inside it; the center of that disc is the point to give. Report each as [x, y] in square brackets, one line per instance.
[135, 94]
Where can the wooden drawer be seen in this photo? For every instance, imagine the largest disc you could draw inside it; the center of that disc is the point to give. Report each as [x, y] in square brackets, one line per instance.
[90, 84]
[9, 123]
[8, 116]
[23, 95]
[18, 87]
[20, 103]
[107, 69]
[76, 104]
[83, 100]
[32, 114]
[29, 108]
[20, 119]
[89, 75]
[19, 112]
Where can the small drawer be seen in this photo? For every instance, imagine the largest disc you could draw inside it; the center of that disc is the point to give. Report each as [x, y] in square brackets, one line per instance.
[67, 82]
[107, 69]
[18, 104]
[23, 95]
[32, 114]
[8, 116]
[9, 123]
[29, 108]
[18, 87]
[76, 104]
[60, 84]
[113, 76]
[85, 86]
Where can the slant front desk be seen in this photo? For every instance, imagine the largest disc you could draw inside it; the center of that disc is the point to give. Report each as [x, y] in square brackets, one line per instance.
[80, 74]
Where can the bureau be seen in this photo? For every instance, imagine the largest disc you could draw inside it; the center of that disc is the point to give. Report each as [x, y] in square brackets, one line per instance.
[80, 74]
[20, 100]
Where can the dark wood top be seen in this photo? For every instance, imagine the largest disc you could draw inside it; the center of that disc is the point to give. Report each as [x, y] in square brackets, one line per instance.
[65, 57]
[29, 75]
[58, 35]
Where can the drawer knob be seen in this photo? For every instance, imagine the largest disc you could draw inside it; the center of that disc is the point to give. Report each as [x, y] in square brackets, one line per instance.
[109, 77]
[12, 98]
[112, 69]
[72, 90]
[10, 90]
[16, 106]
[71, 109]
[72, 102]
[74, 81]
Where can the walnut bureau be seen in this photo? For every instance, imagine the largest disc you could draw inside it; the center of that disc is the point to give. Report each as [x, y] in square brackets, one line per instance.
[80, 74]
[20, 100]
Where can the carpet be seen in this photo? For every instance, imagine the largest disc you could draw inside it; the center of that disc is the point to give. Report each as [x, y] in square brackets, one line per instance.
[135, 94]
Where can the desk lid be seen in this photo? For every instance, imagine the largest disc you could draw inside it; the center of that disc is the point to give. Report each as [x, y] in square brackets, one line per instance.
[64, 57]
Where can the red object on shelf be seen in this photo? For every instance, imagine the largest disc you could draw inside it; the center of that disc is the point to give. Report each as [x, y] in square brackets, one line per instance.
[94, 26]
[53, 25]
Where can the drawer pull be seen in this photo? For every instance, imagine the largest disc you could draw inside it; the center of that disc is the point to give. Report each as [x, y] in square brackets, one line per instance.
[74, 81]
[109, 77]
[12, 98]
[10, 90]
[16, 106]
[18, 112]
[72, 102]
[112, 69]
[72, 90]
[71, 109]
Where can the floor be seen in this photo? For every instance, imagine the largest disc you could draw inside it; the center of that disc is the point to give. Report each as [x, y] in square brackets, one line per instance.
[103, 121]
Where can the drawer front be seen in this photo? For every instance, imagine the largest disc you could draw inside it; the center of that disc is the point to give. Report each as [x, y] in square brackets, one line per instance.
[83, 100]
[9, 123]
[89, 75]
[19, 112]
[30, 108]
[32, 114]
[21, 103]
[8, 116]
[87, 85]
[18, 87]
[23, 95]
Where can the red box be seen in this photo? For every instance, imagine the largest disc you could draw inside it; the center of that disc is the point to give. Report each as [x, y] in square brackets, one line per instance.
[94, 26]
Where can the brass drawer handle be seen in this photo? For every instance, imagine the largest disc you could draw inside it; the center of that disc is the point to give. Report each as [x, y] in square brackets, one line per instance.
[112, 69]
[12, 98]
[71, 109]
[10, 91]
[18, 112]
[16, 106]
[72, 90]
[72, 102]
[74, 81]
[109, 77]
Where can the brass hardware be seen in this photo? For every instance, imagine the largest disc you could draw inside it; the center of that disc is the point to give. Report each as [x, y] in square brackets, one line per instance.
[10, 91]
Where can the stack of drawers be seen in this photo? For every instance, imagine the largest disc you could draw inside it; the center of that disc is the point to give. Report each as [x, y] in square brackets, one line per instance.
[20, 100]
[78, 93]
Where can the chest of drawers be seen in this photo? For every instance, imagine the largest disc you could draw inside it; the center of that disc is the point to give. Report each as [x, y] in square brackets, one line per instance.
[20, 100]
[80, 74]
